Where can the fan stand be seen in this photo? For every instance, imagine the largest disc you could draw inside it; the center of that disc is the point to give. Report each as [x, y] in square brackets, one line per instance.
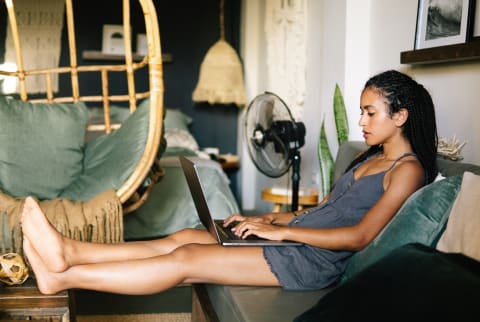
[295, 179]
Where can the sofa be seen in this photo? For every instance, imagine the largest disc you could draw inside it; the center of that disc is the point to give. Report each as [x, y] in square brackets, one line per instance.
[399, 276]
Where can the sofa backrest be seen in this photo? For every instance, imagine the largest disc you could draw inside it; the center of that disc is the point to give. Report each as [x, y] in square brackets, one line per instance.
[348, 150]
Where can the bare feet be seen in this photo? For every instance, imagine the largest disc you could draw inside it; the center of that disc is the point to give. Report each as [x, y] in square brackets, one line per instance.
[47, 281]
[42, 237]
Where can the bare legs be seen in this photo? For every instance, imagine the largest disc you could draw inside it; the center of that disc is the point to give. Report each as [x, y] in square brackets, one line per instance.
[138, 267]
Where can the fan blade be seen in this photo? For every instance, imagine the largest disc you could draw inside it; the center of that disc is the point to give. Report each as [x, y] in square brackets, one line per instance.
[272, 158]
[265, 113]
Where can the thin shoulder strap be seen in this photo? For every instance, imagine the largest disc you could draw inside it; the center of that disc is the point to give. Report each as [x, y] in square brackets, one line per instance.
[399, 158]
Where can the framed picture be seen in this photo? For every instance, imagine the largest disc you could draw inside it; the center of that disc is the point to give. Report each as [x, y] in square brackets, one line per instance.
[476, 23]
[443, 22]
[112, 40]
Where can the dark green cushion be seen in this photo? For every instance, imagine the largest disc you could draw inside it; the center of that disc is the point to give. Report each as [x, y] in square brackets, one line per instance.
[41, 147]
[420, 220]
[111, 158]
[413, 283]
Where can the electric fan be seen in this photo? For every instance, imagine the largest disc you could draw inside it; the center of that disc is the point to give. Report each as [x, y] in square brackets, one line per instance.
[274, 139]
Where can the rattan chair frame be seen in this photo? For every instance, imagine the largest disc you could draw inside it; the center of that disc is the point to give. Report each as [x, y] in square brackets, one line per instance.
[128, 193]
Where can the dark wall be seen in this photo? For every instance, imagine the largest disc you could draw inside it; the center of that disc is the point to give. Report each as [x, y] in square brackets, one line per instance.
[188, 28]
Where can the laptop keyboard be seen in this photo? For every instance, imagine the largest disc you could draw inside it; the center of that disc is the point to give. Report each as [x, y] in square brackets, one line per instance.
[231, 235]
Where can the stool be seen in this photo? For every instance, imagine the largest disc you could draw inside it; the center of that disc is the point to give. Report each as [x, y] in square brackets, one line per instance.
[25, 302]
[307, 197]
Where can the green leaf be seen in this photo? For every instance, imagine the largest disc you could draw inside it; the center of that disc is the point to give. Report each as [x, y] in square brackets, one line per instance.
[341, 121]
[326, 161]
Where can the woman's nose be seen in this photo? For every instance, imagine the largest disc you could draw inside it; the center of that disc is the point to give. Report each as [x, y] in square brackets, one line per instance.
[361, 121]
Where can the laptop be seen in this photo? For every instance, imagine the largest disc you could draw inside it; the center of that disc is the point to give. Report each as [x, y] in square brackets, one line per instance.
[224, 235]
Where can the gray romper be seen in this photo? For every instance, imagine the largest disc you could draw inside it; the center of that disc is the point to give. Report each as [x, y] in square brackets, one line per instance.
[307, 267]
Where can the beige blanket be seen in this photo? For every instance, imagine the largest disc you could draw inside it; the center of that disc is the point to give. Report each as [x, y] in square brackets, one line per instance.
[461, 234]
[97, 220]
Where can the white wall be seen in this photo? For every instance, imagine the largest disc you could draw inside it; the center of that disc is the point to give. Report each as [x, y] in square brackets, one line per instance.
[454, 86]
[349, 41]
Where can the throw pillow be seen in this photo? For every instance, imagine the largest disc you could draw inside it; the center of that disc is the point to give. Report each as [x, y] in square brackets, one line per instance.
[413, 283]
[41, 147]
[420, 220]
[178, 138]
[111, 158]
[173, 118]
[176, 119]
[464, 220]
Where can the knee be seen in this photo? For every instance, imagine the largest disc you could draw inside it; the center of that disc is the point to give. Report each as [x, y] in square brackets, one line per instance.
[183, 235]
[187, 236]
[186, 253]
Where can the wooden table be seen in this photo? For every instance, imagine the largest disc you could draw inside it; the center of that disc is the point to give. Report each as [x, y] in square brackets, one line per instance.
[25, 302]
[308, 197]
[230, 161]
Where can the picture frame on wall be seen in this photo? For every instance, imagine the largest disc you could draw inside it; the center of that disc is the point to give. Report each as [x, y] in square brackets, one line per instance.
[112, 40]
[443, 22]
[476, 23]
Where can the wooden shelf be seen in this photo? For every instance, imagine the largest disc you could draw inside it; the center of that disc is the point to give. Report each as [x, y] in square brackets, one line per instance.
[451, 53]
[98, 55]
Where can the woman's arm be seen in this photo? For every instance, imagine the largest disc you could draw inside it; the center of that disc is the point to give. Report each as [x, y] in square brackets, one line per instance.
[401, 182]
[271, 218]
[274, 218]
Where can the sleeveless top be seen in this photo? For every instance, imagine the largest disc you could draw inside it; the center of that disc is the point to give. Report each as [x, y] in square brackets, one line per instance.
[307, 267]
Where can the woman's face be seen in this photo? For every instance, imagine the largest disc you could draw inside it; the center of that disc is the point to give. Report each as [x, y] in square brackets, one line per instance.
[376, 123]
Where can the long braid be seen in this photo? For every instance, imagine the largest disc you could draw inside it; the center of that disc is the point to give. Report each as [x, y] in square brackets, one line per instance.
[420, 129]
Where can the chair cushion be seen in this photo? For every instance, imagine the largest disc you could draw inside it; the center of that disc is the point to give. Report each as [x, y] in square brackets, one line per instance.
[41, 146]
[110, 159]
[420, 220]
[413, 283]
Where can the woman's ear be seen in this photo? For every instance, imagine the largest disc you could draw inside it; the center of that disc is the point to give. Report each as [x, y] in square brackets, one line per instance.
[400, 117]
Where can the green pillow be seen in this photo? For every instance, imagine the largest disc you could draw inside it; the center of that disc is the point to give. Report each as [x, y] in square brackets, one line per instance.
[41, 146]
[176, 119]
[420, 220]
[173, 118]
[110, 159]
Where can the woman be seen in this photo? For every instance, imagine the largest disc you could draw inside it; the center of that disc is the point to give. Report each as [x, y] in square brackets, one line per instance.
[398, 122]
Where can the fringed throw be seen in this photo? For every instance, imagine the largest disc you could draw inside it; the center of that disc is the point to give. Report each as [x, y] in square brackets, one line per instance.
[97, 220]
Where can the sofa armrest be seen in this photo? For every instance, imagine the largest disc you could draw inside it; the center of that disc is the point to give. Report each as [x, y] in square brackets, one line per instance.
[250, 303]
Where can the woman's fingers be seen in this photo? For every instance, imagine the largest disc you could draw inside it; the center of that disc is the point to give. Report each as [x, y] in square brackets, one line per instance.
[233, 218]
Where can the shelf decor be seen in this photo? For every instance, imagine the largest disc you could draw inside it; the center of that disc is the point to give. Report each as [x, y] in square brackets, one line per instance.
[441, 23]
[112, 40]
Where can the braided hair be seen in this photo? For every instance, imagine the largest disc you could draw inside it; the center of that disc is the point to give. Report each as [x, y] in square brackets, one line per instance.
[420, 129]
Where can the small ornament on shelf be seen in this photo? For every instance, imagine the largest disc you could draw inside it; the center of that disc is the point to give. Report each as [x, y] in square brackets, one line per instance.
[451, 149]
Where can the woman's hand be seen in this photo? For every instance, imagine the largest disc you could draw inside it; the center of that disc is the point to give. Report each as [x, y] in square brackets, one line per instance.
[268, 226]
[264, 230]
[266, 219]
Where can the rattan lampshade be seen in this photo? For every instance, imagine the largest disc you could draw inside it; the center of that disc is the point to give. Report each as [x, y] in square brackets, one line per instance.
[221, 76]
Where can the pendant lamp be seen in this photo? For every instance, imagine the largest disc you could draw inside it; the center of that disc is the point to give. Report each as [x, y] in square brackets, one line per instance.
[221, 76]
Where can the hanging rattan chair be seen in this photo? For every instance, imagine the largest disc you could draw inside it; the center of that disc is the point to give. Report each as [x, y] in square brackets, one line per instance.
[134, 189]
